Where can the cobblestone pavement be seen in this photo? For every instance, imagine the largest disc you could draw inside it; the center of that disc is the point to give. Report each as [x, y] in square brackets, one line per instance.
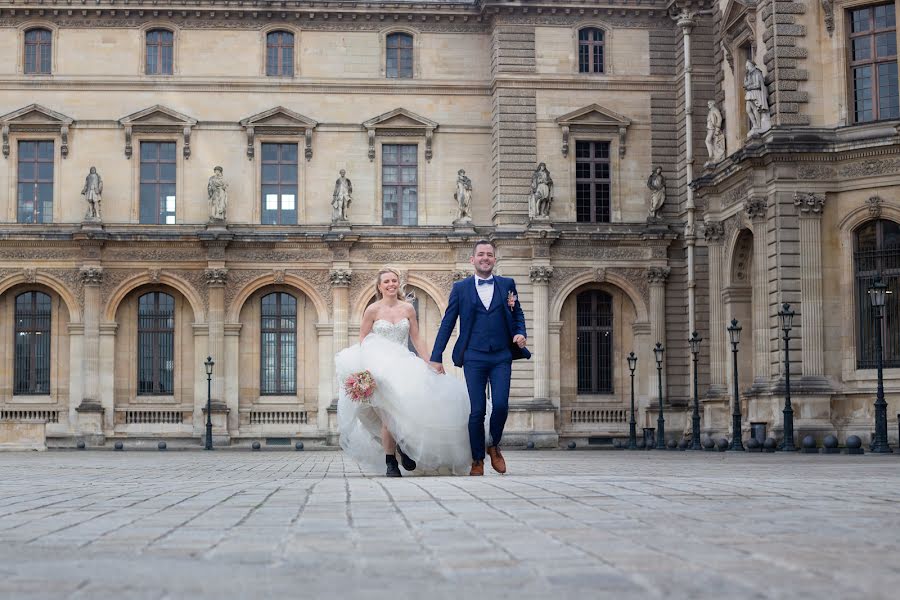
[241, 524]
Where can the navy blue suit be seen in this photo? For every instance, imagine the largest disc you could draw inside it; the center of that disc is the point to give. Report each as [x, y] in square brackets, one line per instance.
[484, 350]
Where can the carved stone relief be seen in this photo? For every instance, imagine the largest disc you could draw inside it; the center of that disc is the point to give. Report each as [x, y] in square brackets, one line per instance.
[809, 204]
[216, 276]
[634, 275]
[91, 275]
[713, 232]
[657, 275]
[872, 167]
[874, 204]
[361, 281]
[541, 274]
[602, 252]
[756, 207]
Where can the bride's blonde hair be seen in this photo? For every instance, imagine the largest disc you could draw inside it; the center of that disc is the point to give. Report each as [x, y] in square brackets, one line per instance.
[384, 270]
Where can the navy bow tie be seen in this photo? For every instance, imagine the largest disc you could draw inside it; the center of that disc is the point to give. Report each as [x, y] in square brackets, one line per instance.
[486, 281]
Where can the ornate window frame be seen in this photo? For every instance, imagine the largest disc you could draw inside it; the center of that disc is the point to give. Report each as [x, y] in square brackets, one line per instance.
[607, 47]
[263, 37]
[54, 45]
[416, 49]
[176, 47]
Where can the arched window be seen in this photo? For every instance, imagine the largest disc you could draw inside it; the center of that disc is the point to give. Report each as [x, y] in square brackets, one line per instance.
[32, 373]
[160, 55]
[399, 56]
[278, 354]
[594, 325]
[876, 251]
[280, 54]
[156, 344]
[38, 43]
[590, 50]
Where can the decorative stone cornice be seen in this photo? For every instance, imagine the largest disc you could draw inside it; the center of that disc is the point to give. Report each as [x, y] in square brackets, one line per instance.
[874, 204]
[341, 277]
[91, 275]
[158, 119]
[217, 276]
[279, 121]
[713, 232]
[401, 122]
[809, 204]
[35, 118]
[657, 275]
[756, 207]
[541, 274]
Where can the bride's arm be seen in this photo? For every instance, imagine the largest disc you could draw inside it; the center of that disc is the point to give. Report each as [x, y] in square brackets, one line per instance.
[421, 350]
[365, 328]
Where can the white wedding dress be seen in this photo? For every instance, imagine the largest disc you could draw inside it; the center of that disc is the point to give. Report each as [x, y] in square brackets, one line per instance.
[427, 413]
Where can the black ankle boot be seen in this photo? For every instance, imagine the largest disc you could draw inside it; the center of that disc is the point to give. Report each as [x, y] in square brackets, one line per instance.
[393, 469]
[408, 463]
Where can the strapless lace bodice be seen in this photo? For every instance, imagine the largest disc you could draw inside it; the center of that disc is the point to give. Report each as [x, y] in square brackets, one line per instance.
[396, 332]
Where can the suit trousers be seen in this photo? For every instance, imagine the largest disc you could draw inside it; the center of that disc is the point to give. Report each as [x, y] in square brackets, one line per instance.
[479, 368]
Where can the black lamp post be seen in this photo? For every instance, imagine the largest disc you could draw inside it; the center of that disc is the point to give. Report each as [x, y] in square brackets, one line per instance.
[632, 431]
[660, 422]
[695, 419]
[734, 333]
[786, 316]
[878, 295]
[209, 369]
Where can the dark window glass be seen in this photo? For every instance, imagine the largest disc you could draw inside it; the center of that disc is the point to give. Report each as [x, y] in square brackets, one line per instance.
[35, 182]
[32, 372]
[399, 56]
[590, 50]
[278, 356]
[873, 63]
[157, 177]
[38, 44]
[279, 184]
[160, 45]
[594, 324]
[592, 182]
[156, 344]
[877, 252]
[399, 184]
[280, 54]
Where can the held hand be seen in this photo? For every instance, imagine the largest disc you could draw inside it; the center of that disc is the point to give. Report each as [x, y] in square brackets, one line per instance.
[519, 340]
[437, 367]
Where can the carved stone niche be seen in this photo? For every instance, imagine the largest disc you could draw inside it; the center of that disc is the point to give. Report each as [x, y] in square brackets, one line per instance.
[593, 120]
[158, 120]
[738, 29]
[281, 122]
[35, 118]
[400, 123]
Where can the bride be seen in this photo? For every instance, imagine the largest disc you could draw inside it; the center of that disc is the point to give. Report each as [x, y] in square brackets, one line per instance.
[414, 410]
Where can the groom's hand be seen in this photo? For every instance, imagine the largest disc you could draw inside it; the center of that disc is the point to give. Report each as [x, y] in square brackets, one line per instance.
[519, 340]
[437, 366]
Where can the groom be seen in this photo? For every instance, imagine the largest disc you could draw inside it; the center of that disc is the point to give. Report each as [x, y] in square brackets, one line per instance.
[491, 336]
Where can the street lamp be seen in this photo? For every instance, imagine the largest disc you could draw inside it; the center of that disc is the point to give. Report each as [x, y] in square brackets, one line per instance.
[734, 333]
[660, 422]
[209, 369]
[786, 316]
[632, 432]
[695, 419]
[878, 295]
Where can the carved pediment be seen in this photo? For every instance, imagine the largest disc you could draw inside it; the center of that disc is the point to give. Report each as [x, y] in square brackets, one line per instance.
[36, 118]
[158, 119]
[279, 121]
[400, 122]
[593, 118]
[738, 26]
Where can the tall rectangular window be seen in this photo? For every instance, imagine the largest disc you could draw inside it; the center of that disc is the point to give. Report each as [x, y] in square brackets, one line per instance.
[279, 54]
[35, 182]
[32, 375]
[399, 56]
[160, 52]
[279, 184]
[594, 316]
[158, 183]
[590, 50]
[592, 182]
[156, 344]
[399, 184]
[876, 254]
[278, 333]
[38, 44]
[873, 63]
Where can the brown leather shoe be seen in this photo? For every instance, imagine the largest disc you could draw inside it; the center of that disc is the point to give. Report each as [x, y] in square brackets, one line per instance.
[477, 468]
[497, 462]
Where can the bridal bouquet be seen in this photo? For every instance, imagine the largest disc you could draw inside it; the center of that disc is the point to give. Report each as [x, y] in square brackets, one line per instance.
[360, 386]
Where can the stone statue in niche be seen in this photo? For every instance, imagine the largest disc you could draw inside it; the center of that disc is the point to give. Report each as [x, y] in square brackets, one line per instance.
[657, 184]
[541, 193]
[92, 192]
[463, 197]
[757, 100]
[341, 198]
[217, 191]
[715, 137]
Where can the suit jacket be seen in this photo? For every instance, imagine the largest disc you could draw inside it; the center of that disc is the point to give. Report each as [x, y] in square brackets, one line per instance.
[462, 305]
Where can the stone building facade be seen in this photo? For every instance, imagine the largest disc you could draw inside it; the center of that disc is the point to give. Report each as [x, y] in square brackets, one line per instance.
[108, 318]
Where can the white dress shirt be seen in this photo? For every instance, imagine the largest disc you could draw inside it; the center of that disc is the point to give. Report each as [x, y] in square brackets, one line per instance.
[485, 291]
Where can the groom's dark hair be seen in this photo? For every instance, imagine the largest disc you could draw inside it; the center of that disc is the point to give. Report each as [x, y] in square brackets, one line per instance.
[483, 243]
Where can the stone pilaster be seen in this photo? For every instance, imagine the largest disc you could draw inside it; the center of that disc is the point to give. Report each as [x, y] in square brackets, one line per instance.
[757, 210]
[540, 286]
[809, 208]
[216, 278]
[231, 367]
[90, 411]
[340, 283]
[713, 233]
[656, 277]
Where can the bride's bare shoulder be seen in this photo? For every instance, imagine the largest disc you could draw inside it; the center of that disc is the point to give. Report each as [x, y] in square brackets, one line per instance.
[372, 309]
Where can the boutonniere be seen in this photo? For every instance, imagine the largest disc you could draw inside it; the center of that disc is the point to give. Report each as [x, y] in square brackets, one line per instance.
[511, 301]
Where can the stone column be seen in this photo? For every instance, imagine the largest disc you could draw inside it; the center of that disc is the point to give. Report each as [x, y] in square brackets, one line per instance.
[810, 207]
[713, 232]
[216, 278]
[340, 292]
[656, 277]
[540, 281]
[231, 368]
[107, 373]
[90, 411]
[756, 208]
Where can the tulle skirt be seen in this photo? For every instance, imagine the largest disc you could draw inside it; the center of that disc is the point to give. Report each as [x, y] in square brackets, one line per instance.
[426, 412]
